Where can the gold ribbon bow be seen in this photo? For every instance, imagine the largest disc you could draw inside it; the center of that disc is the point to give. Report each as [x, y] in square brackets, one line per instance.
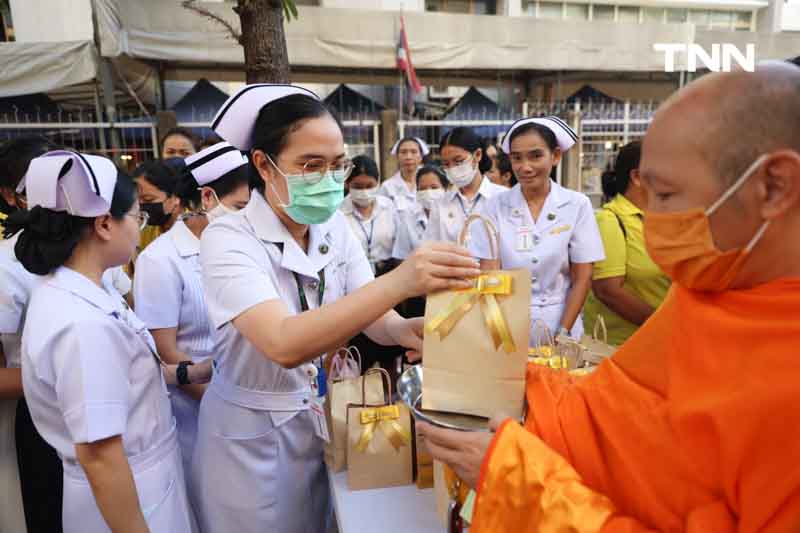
[386, 417]
[485, 289]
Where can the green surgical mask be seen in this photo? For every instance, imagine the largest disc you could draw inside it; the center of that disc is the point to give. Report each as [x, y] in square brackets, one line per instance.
[313, 198]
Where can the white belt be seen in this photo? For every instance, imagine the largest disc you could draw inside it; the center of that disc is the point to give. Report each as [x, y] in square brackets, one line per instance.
[258, 399]
[139, 462]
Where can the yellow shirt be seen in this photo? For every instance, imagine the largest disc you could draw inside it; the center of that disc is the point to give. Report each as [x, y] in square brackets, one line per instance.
[626, 255]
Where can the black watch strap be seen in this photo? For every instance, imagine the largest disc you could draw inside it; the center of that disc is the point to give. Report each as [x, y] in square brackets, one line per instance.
[182, 374]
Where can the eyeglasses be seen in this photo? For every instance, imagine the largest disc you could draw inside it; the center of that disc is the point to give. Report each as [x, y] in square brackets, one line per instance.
[315, 169]
[141, 217]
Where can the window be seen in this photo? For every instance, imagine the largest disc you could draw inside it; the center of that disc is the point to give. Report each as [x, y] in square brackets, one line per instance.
[550, 10]
[700, 17]
[721, 20]
[677, 16]
[474, 7]
[628, 14]
[602, 12]
[653, 14]
[742, 21]
[577, 11]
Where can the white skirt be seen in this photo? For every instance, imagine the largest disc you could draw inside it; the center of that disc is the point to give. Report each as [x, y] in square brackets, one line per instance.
[12, 515]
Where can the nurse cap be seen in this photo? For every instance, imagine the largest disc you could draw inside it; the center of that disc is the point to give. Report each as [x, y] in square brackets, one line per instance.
[565, 136]
[214, 162]
[236, 119]
[422, 146]
[80, 184]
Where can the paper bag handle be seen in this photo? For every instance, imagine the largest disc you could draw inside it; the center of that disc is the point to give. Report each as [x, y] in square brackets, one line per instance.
[387, 381]
[339, 361]
[547, 334]
[491, 231]
[601, 324]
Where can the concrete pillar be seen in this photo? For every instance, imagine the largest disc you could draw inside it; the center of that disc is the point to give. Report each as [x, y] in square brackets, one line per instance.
[389, 119]
[571, 161]
[110, 106]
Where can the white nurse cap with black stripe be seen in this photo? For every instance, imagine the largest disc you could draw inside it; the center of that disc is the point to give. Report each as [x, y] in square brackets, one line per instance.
[423, 146]
[80, 184]
[565, 136]
[214, 162]
[236, 119]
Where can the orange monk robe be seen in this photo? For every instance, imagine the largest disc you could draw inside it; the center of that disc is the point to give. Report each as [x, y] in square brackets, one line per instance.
[693, 425]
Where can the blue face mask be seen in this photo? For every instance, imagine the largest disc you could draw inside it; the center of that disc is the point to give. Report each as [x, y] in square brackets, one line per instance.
[313, 197]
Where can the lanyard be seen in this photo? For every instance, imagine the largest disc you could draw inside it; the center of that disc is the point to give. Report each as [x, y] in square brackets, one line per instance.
[464, 209]
[302, 293]
[368, 236]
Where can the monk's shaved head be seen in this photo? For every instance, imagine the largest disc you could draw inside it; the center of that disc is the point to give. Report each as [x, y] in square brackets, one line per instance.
[732, 118]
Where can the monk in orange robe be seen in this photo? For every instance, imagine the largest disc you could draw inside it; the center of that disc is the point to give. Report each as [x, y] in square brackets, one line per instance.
[694, 424]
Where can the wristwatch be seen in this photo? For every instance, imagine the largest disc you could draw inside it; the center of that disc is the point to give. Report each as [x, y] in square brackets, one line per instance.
[563, 332]
[182, 373]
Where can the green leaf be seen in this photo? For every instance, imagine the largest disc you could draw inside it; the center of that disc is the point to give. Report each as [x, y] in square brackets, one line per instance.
[290, 10]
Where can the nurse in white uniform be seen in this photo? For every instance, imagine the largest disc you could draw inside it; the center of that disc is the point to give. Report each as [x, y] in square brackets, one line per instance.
[371, 216]
[286, 281]
[465, 162]
[168, 287]
[402, 186]
[543, 227]
[431, 187]
[89, 367]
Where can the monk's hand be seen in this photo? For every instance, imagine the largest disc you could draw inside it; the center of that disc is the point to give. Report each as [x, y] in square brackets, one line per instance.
[463, 451]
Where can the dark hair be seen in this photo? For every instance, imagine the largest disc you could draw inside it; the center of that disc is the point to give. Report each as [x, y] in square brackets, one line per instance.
[188, 190]
[363, 164]
[616, 178]
[468, 140]
[163, 174]
[277, 119]
[433, 169]
[49, 237]
[504, 166]
[189, 134]
[15, 157]
[544, 132]
[210, 140]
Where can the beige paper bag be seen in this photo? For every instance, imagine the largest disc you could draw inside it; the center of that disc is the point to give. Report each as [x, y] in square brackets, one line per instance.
[476, 342]
[378, 442]
[595, 349]
[344, 387]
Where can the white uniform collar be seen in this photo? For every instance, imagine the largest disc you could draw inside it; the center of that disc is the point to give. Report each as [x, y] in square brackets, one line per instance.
[185, 241]
[484, 190]
[269, 228]
[397, 183]
[556, 199]
[79, 285]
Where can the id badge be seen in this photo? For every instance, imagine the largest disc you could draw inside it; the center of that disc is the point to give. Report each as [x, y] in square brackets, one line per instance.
[524, 239]
[320, 425]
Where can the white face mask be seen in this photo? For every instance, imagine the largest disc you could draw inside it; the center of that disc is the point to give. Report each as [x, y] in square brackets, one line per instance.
[363, 197]
[430, 197]
[462, 174]
[219, 210]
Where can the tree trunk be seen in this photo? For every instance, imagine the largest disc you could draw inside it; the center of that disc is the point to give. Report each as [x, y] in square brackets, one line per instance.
[264, 41]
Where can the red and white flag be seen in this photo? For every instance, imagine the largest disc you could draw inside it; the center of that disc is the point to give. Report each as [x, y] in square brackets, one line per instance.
[404, 59]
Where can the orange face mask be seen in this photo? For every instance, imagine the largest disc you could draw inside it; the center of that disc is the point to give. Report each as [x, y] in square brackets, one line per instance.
[682, 244]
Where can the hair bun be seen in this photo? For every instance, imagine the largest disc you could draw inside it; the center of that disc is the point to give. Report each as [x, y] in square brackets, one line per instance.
[47, 238]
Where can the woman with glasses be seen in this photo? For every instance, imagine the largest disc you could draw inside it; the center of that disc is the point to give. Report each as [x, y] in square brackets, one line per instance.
[286, 281]
[168, 287]
[464, 162]
[90, 370]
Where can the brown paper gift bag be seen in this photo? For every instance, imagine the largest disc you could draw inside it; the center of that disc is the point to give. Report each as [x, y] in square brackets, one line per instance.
[378, 441]
[595, 349]
[344, 387]
[476, 342]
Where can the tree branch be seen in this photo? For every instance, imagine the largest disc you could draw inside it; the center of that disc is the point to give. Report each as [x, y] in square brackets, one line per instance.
[190, 5]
